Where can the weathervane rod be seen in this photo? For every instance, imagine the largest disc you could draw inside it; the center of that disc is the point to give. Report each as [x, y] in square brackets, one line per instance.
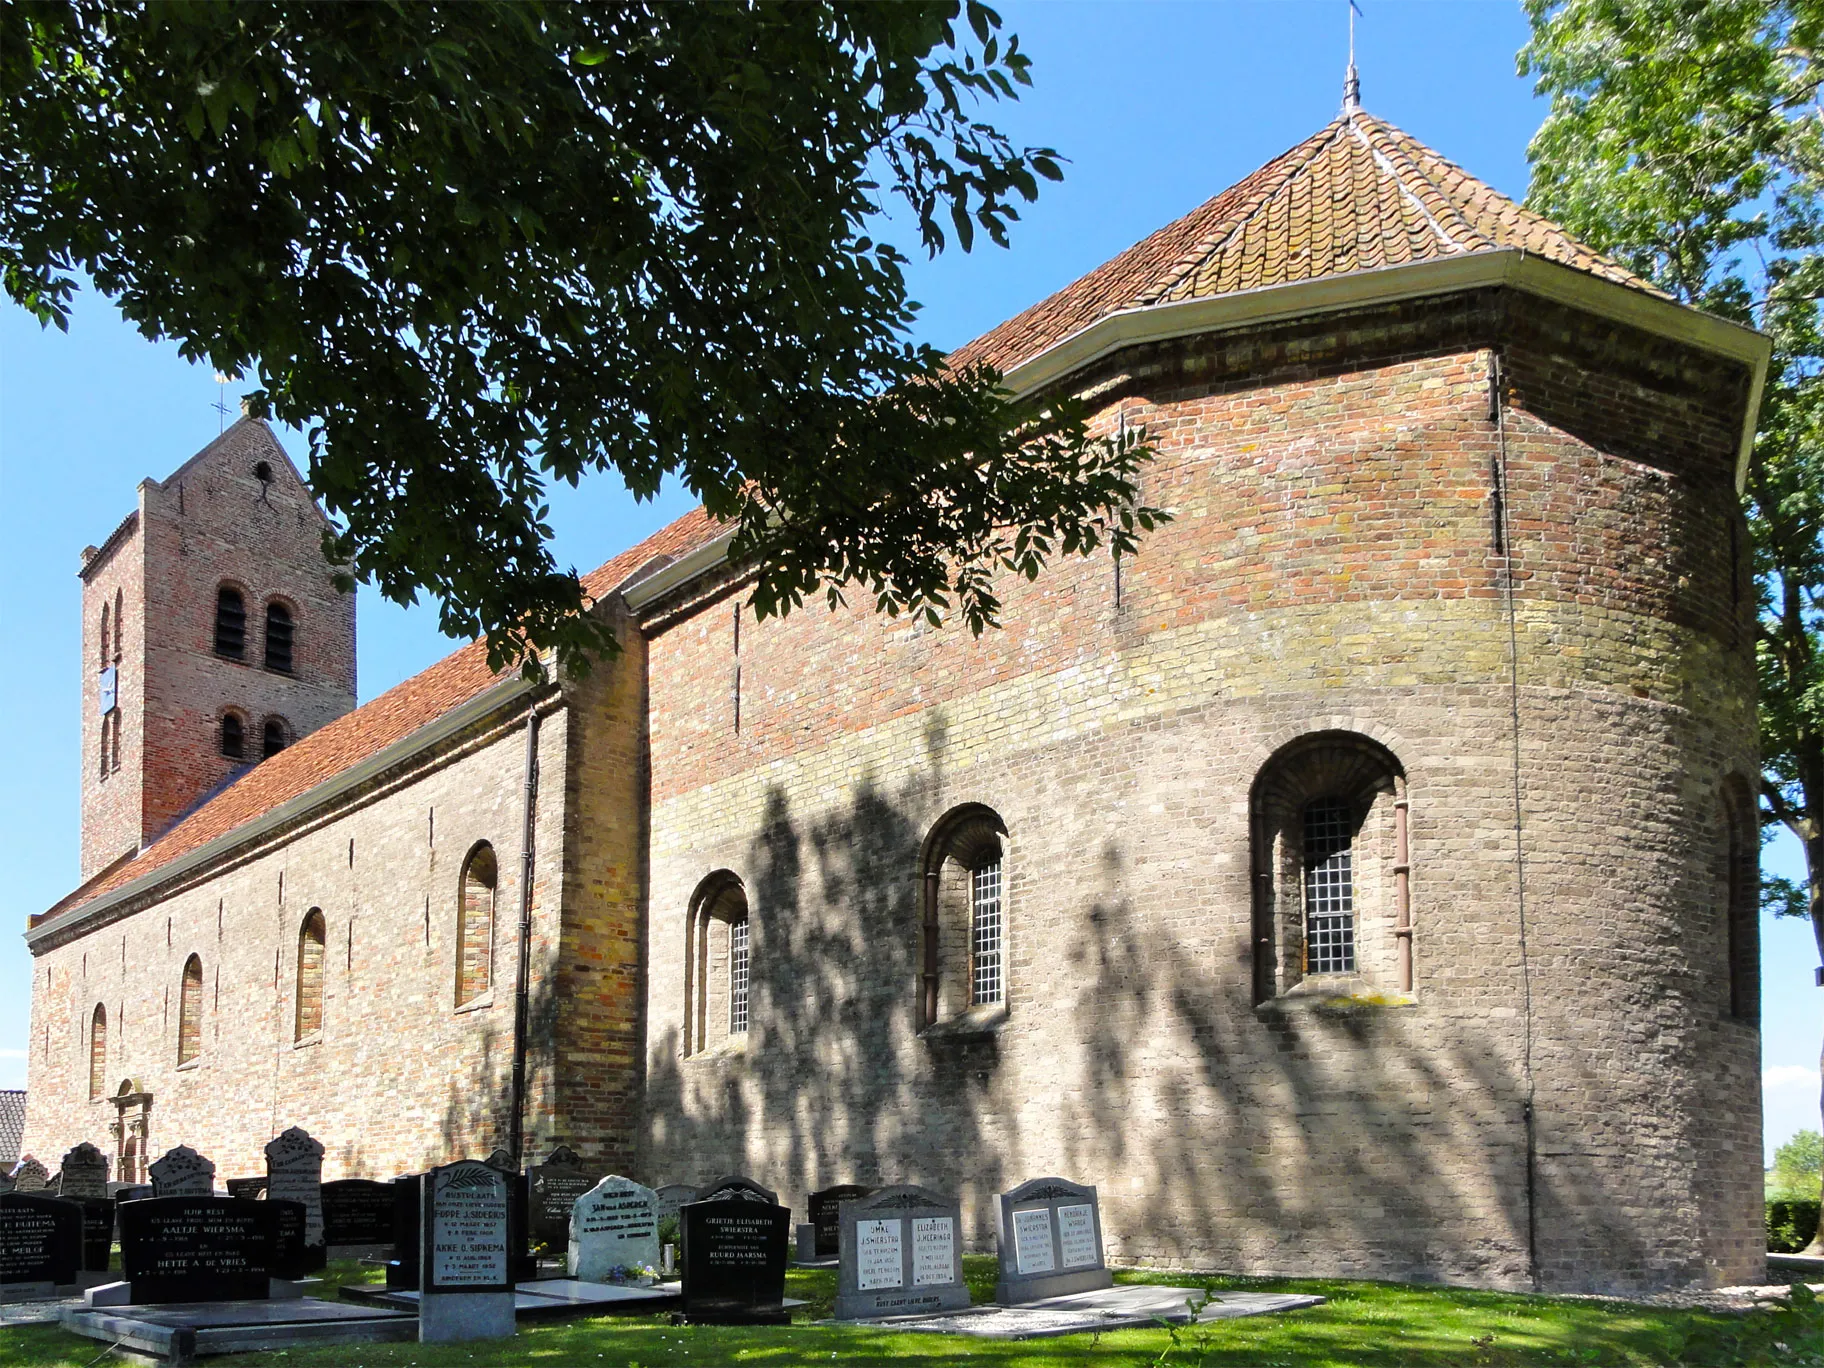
[1352, 83]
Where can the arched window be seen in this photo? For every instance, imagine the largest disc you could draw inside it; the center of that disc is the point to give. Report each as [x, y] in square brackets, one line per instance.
[278, 637]
[1741, 881]
[1328, 815]
[718, 967]
[273, 738]
[963, 929]
[98, 1051]
[106, 644]
[230, 623]
[475, 925]
[190, 1012]
[311, 939]
[234, 736]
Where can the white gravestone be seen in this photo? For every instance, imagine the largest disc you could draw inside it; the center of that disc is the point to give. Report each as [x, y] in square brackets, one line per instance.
[183, 1173]
[294, 1173]
[899, 1254]
[613, 1225]
[1049, 1235]
[465, 1288]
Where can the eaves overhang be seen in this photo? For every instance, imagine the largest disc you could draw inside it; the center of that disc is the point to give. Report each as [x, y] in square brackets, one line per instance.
[85, 916]
[1512, 268]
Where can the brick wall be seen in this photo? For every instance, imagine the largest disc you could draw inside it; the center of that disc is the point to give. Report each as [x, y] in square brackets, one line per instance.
[1332, 566]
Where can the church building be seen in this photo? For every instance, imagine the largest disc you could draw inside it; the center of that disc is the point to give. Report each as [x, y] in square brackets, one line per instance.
[1358, 881]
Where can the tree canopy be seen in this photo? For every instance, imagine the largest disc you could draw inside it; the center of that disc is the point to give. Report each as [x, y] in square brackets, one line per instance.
[474, 248]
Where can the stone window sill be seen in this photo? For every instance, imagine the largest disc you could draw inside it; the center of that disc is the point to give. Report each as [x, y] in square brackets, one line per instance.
[316, 1038]
[480, 1004]
[988, 1019]
[732, 1048]
[1333, 993]
[189, 1064]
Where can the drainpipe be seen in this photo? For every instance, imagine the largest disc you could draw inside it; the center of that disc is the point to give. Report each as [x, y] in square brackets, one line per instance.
[522, 991]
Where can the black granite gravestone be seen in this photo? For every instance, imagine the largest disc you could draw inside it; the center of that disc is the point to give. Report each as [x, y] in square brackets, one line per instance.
[247, 1188]
[192, 1249]
[737, 1187]
[97, 1233]
[826, 1214]
[357, 1211]
[40, 1238]
[554, 1187]
[519, 1229]
[402, 1270]
[734, 1261]
[293, 1255]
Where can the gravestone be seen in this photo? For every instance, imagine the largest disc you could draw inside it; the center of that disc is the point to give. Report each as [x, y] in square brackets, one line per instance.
[183, 1173]
[1049, 1235]
[826, 1216]
[85, 1172]
[97, 1232]
[247, 1189]
[519, 1228]
[131, 1192]
[737, 1188]
[734, 1261]
[198, 1248]
[402, 1271]
[553, 1188]
[6, 1181]
[465, 1273]
[30, 1176]
[40, 1242]
[294, 1173]
[669, 1199]
[613, 1225]
[292, 1254]
[902, 1255]
[357, 1211]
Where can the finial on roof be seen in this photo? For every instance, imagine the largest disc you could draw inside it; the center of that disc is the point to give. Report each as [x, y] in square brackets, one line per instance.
[1352, 83]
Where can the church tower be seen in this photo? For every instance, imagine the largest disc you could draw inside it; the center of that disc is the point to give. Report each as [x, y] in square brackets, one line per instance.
[213, 636]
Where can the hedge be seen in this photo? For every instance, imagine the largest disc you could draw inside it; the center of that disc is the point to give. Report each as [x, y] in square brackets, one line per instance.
[1791, 1224]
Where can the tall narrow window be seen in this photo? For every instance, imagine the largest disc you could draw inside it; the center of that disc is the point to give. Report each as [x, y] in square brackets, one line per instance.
[985, 933]
[120, 626]
[114, 748]
[311, 939]
[278, 637]
[737, 977]
[272, 738]
[190, 1012]
[106, 645]
[1742, 893]
[234, 738]
[475, 926]
[107, 734]
[1329, 888]
[230, 623]
[98, 1051]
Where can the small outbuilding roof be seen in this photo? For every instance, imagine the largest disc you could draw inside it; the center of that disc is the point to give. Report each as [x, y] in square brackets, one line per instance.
[12, 1126]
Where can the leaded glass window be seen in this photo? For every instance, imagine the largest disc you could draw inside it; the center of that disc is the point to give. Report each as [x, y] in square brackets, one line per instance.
[1329, 888]
[985, 927]
[737, 977]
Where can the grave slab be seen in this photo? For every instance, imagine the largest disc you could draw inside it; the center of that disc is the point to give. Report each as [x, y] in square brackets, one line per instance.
[177, 1334]
[553, 1299]
[1112, 1308]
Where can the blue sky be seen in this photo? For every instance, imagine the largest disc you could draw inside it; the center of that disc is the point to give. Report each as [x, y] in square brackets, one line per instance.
[1157, 105]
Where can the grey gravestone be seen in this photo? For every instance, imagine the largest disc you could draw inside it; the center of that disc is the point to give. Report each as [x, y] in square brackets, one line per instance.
[294, 1173]
[183, 1173]
[198, 1248]
[737, 1188]
[552, 1189]
[465, 1272]
[613, 1225]
[402, 1271]
[826, 1215]
[902, 1255]
[671, 1198]
[85, 1172]
[1049, 1234]
[40, 1241]
[357, 1211]
[30, 1176]
[734, 1261]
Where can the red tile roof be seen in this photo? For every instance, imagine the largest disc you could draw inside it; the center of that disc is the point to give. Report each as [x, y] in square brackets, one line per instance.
[1357, 195]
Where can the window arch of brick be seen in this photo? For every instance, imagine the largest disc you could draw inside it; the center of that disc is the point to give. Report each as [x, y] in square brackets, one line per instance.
[232, 737]
[1742, 897]
[475, 924]
[312, 937]
[963, 951]
[230, 622]
[98, 1051]
[718, 977]
[275, 735]
[1331, 866]
[190, 1012]
[281, 627]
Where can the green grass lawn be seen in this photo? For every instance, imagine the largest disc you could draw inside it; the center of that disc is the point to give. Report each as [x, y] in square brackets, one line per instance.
[1362, 1323]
